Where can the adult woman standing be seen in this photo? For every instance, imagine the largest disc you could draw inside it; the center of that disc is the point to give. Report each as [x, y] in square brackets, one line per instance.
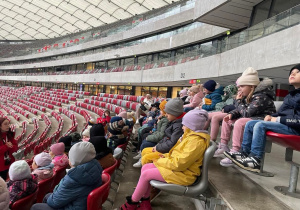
[8, 145]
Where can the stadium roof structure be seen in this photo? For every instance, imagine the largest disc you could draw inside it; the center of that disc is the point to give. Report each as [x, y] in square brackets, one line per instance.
[44, 19]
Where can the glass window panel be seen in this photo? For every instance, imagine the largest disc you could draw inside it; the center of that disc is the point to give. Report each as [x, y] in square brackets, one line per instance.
[282, 5]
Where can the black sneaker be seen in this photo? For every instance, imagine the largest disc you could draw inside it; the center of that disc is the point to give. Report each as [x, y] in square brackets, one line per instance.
[235, 155]
[248, 163]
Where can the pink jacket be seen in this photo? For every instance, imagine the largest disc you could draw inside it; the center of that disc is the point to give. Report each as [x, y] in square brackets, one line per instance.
[4, 195]
[60, 160]
[195, 100]
[43, 173]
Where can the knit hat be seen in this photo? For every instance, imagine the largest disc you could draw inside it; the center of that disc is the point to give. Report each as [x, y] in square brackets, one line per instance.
[19, 170]
[42, 159]
[123, 114]
[174, 107]
[249, 77]
[115, 119]
[81, 153]
[156, 104]
[210, 85]
[195, 88]
[67, 142]
[75, 137]
[58, 148]
[183, 92]
[295, 67]
[162, 106]
[86, 132]
[195, 120]
[114, 128]
[97, 130]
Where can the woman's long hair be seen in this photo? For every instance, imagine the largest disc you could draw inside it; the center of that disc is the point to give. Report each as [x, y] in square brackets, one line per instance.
[10, 134]
[248, 99]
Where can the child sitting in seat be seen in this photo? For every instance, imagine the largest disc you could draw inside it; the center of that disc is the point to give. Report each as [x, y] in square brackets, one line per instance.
[174, 113]
[57, 153]
[83, 177]
[86, 133]
[254, 101]
[115, 135]
[22, 183]
[212, 95]
[105, 118]
[286, 121]
[180, 166]
[42, 166]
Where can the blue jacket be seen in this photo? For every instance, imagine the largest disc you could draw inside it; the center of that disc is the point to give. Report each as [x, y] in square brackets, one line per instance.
[212, 99]
[74, 188]
[289, 111]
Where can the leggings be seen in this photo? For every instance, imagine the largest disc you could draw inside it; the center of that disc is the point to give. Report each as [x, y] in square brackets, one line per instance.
[149, 172]
[214, 119]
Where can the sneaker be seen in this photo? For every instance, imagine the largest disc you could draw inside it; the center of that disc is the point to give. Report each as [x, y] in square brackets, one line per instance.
[154, 193]
[226, 162]
[222, 148]
[138, 156]
[145, 204]
[129, 205]
[138, 164]
[248, 163]
[235, 155]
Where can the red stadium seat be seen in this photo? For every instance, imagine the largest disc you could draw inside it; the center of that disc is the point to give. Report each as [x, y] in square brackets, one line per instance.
[59, 172]
[44, 188]
[110, 170]
[25, 203]
[99, 195]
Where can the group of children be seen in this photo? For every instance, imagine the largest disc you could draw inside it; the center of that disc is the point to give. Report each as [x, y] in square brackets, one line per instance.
[247, 108]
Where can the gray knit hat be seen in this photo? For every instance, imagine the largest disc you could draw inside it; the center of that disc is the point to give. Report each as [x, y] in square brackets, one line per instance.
[19, 170]
[81, 153]
[174, 107]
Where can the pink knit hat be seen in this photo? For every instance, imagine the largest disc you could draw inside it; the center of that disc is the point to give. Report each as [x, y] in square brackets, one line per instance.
[123, 114]
[58, 148]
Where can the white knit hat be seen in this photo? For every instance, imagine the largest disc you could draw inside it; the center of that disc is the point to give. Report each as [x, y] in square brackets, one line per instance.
[81, 153]
[19, 170]
[249, 77]
[86, 132]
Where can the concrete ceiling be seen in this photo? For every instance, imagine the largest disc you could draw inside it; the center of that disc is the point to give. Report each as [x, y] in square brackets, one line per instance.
[232, 14]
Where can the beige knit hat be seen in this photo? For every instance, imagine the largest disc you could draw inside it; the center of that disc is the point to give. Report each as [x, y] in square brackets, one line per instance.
[249, 77]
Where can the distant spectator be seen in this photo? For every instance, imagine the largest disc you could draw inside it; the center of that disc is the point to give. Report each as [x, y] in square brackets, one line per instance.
[105, 118]
[183, 94]
[196, 92]
[144, 107]
[212, 95]
[59, 158]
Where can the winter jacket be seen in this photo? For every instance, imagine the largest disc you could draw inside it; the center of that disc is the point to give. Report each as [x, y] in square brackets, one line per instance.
[182, 164]
[21, 188]
[44, 172]
[160, 131]
[289, 112]
[60, 160]
[147, 103]
[212, 99]
[4, 149]
[228, 99]
[183, 98]
[195, 100]
[74, 188]
[172, 134]
[103, 120]
[4, 195]
[261, 103]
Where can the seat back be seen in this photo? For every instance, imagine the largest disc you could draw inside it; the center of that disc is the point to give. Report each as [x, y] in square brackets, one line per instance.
[202, 183]
[25, 203]
[99, 195]
[44, 188]
[110, 170]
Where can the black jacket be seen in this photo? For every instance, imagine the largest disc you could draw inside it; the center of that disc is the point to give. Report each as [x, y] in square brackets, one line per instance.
[289, 111]
[172, 133]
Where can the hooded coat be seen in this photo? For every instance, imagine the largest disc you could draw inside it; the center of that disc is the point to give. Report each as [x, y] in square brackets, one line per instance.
[261, 103]
[289, 111]
[160, 131]
[182, 164]
[228, 99]
[74, 188]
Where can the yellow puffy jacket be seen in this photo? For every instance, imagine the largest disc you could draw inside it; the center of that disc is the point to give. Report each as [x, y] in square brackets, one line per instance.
[182, 164]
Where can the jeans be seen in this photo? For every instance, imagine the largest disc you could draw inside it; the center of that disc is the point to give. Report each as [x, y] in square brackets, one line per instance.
[146, 143]
[254, 139]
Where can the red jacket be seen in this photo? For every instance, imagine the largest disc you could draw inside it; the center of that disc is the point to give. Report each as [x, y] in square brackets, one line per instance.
[103, 120]
[4, 149]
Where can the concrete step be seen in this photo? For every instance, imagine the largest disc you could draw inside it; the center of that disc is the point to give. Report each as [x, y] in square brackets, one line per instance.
[238, 191]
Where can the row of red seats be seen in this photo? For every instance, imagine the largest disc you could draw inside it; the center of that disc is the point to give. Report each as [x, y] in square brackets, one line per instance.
[43, 109]
[71, 91]
[19, 110]
[24, 130]
[49, 106]
[56, 103]
[66, 101]
[11, 112]
[60, 96]
[82, 112]
[65, 94]
[72, 116]
[92, 108]
[4, 116]
[31, 110]
[126, 104]
[32, 134]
